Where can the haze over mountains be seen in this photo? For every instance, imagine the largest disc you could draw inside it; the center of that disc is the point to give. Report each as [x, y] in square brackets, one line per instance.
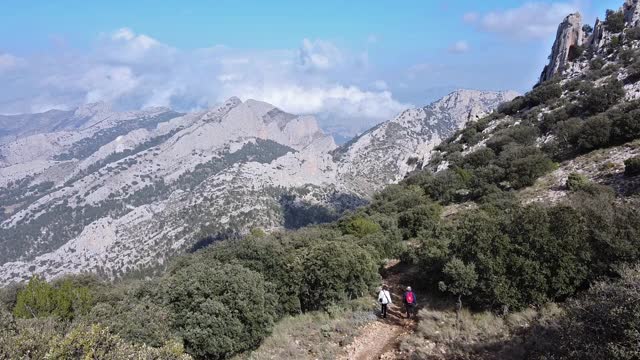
[112, 192]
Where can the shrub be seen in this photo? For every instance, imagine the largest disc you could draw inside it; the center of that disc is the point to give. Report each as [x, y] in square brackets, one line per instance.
[632, 166]
[595, 133]
[41, 299]
[137, 321]
[220, 309]
[625, 123]
[95, 342]
[595, 100]
[420, 218]
[278, 264]
[603, 324]
[358, 226]
[597, 63]
[459, 278]
[576, 182]
[614, 21]
[543, 94]
[632, 33]
[336, 271]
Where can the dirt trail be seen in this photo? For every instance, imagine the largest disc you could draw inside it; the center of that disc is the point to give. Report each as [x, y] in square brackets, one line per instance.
[379, 340]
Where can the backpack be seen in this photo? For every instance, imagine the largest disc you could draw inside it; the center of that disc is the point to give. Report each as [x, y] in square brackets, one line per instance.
[409, 297]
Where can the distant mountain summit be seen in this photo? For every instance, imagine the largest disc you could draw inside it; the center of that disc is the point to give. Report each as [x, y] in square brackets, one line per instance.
[115, 192]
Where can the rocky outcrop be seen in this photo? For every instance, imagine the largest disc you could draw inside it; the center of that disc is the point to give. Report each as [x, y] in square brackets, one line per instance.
[631, 12]
[597, 38]
[570, 35]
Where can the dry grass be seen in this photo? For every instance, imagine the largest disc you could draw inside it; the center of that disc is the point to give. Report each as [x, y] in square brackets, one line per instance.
[316, 335]
[482, 335]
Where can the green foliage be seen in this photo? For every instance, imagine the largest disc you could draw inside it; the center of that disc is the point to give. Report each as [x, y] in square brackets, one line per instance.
[594, 133]
[336, 271]
[594, 100]
[96, 342]
[257, 232]
[275, 260]
[459, 278]
[139, 321]
[220, 309]
[577, 182]
[614, 21]
[597, 63]
[602, 324]
[358, 226]
[40, 299]
[632, 166]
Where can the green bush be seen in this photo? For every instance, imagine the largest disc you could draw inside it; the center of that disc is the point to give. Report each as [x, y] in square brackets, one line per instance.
[336, 271]
[602, 324]
[278, 264]
[358, 226]
[137, 321]
[96, 342]
[594, 100]
[614, 21]
[577, 182]
[41, 299]
[220, 309]
[595, 133]
[632, 166]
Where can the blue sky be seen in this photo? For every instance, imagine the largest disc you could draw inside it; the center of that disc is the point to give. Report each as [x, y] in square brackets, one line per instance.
[353, 63]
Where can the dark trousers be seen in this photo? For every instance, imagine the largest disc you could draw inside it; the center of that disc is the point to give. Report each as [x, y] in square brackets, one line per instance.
[384, 310]
[411, 309]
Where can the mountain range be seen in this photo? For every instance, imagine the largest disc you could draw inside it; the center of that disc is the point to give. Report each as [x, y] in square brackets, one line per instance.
[118, 192]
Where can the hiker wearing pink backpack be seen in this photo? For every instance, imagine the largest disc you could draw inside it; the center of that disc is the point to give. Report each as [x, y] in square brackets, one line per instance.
[410, 302]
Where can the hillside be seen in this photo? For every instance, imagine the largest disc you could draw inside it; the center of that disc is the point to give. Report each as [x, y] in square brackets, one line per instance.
[111, 192]
[520, 234]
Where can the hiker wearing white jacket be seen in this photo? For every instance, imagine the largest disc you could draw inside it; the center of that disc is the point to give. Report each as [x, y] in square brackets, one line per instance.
[384, 298]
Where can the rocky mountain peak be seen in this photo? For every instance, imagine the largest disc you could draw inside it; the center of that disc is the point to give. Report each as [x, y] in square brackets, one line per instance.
[569, 36]
[92, 109]
[631, 12]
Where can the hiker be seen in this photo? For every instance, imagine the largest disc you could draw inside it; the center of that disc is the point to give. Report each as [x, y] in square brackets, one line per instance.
[409, 300]
[384, 298]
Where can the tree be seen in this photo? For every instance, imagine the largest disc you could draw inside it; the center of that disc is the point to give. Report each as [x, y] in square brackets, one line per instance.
[336, 271]
[587, 29]
[220, 309]
[614, 21]
[459, 279]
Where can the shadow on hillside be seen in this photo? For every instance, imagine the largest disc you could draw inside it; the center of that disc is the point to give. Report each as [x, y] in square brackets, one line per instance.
[211, 239]
[299, 213]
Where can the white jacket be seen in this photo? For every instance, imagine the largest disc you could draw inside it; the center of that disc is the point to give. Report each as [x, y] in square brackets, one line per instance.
[384, 297]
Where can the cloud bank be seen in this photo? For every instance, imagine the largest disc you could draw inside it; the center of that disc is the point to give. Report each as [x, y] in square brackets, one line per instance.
[532, 20]
[134, 71]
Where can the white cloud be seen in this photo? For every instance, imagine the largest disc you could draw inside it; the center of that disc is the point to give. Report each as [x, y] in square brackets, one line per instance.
[459, 47]
[319, 55]
[133, 70]
[530, 21]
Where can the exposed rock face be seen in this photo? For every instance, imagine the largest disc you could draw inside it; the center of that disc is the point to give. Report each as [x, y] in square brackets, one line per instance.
[569, 35]
[631, 12]
[110, 192]
[389, 151]
[596, 39]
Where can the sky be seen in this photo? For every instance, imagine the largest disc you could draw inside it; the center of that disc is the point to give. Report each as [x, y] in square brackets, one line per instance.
[351, 63]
